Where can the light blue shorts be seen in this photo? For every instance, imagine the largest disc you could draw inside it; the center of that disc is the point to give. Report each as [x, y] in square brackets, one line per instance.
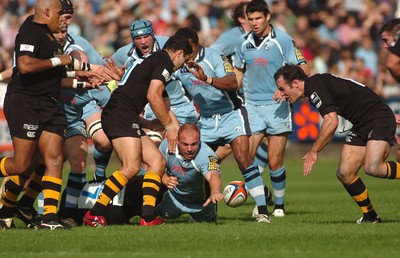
[78, 105]
[185, 113]
[273, 119]
[222, 129]
[170, 208]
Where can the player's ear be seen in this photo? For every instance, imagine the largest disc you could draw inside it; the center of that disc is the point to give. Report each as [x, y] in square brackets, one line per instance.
[295, 83]
[47, 12]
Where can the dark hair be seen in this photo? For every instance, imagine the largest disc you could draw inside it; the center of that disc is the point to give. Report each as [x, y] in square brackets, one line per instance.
[239, 12]
[178, 42]
[66, 7]
[188, 33]
[392, 26]
[258, 6]
[290, 73]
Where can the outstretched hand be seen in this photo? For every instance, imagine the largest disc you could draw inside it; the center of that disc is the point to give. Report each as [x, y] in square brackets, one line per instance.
[309, 160]
[195, 69]
[214, 198]
[92, 79]
[112, 70]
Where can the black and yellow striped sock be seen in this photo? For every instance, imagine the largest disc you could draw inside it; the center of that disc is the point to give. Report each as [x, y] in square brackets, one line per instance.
[13, 188]
[51, 194]
[112, 187]
[33, 188]
[151, 187]
[3, 172]
[359, 192]
[393, 170]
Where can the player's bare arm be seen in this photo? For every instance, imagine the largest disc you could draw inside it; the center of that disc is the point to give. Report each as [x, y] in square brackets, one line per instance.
[228, 82]
[214, 179]
[239, 76]
[326, 133]
[27, 64]
[82, 80]
[154, 96]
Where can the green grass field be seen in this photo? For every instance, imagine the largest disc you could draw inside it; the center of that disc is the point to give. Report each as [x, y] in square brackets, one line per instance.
[320, 222]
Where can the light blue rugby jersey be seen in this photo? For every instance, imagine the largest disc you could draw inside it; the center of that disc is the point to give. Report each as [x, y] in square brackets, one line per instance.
[75, 42]
[190, 174]
[209, 99]
[261, 63]
[128, 54]
[227, 43]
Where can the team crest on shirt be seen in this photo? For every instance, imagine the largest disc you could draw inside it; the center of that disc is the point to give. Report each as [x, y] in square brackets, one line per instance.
[166, 75]
[213, 165]
[228, 67]
[299, 55]
[315, 100]
[267, 45]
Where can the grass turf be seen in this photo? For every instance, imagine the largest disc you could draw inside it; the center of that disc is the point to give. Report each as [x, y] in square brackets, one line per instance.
[320, 222]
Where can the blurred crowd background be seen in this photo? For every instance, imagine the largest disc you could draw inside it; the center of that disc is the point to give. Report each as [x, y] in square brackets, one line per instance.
[336, 36]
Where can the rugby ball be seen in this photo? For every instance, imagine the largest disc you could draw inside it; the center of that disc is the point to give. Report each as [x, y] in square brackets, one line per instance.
[235, 193]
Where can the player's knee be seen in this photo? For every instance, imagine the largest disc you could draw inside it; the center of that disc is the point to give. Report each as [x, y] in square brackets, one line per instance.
[274, 164]
[345, 177]
[372, 170]
[158, 165]
[102, 142]
[20, 168]
[130, 170]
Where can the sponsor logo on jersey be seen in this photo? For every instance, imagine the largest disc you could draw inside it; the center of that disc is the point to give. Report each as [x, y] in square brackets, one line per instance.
[30, 127]
[31, 134]
[166, 75]
[178, 169]
[26, 47]
[250, 46]
[315, 100]
[259, 61]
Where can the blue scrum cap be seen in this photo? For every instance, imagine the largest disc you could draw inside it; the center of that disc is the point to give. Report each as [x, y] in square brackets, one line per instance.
[141, 27]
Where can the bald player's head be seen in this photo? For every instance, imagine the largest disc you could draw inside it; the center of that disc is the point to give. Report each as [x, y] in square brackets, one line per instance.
[48, 12]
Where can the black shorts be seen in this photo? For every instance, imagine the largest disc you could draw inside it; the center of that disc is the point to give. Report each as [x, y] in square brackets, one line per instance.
[382, 128]
[28, 116]
[119, 120]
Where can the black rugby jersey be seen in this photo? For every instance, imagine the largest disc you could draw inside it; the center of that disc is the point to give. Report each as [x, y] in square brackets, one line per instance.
[36, 40]
[136, 81]
[350, 99]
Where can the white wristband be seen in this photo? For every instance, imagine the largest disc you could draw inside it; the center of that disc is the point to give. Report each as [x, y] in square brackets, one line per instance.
[55, 61]
[78, 85]
[1, 77]
[76, 64]
[209, 80]
[71, 74]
